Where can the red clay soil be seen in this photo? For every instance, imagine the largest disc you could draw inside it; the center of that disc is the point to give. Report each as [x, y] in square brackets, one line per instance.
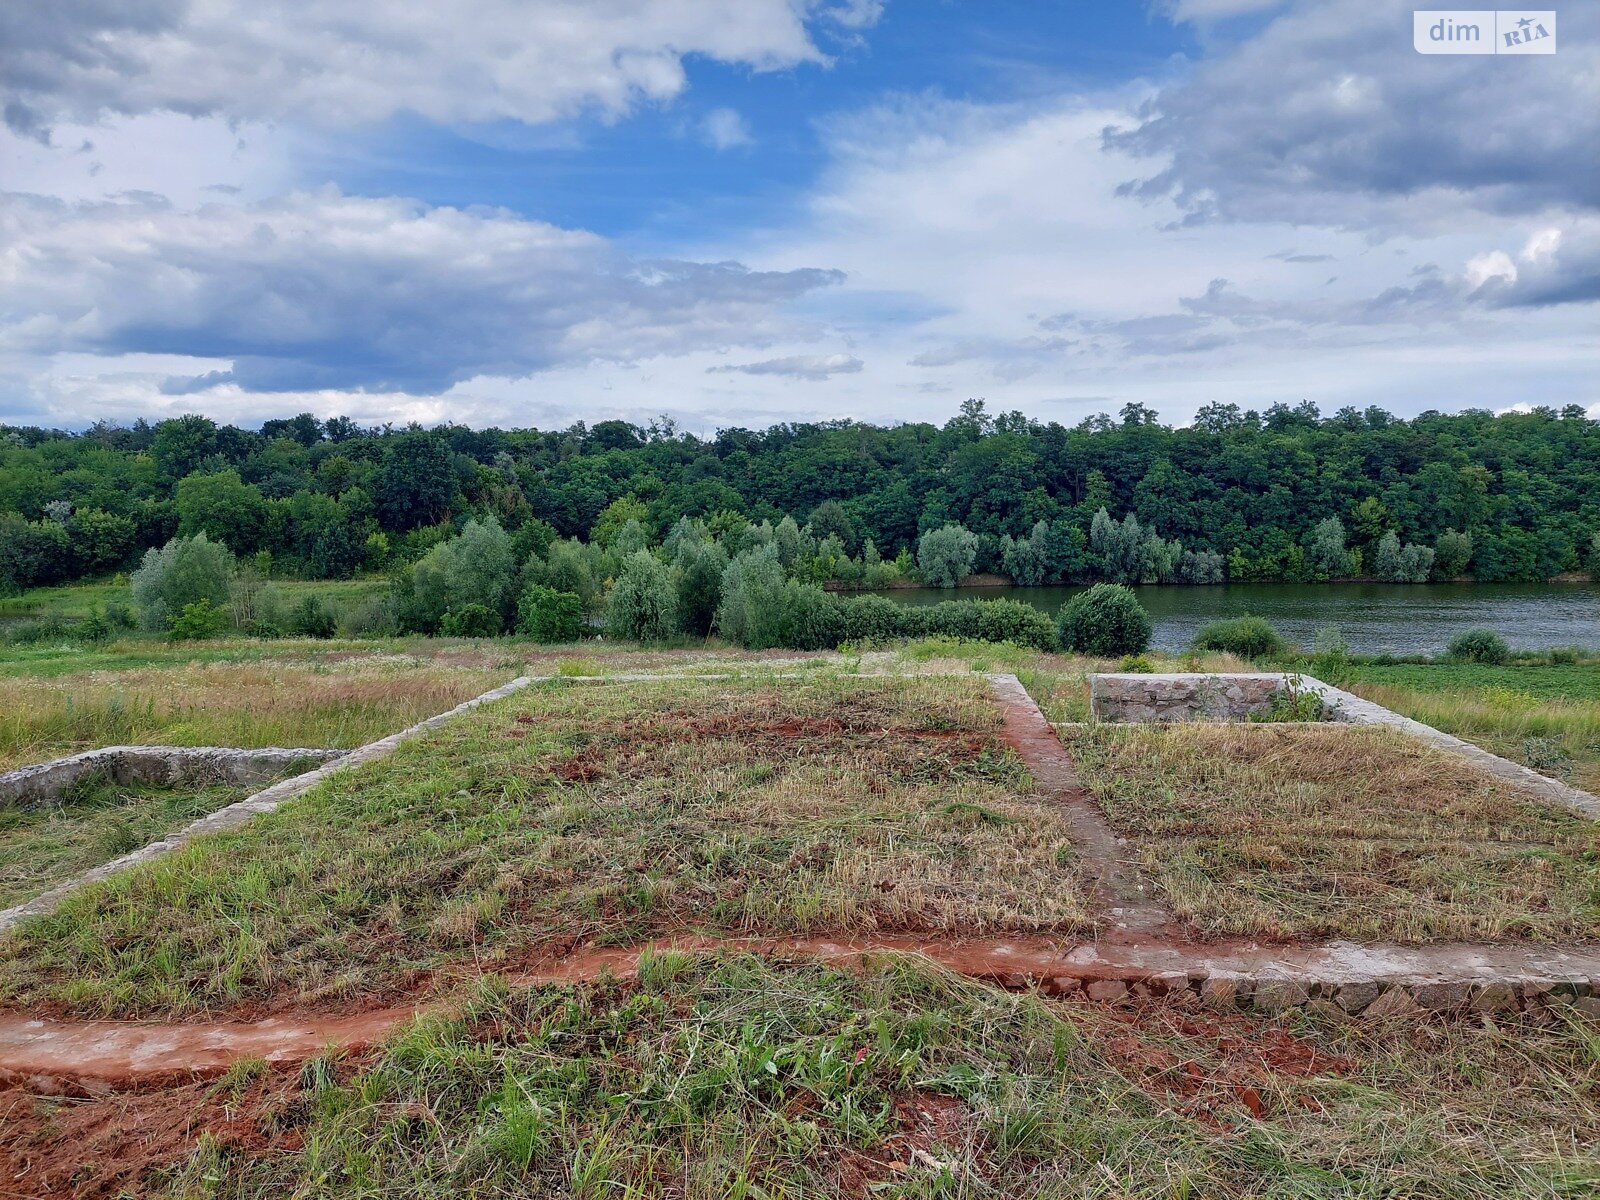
[1242, 1067]
[95, 1149]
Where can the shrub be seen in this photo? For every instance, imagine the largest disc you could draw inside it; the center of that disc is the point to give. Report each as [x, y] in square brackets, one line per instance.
[547, 615]
[642, 605]
[945, 556]
[1136, 664]
[1479, 646]
[810, 618]
[185, 571]
[199, 620]
[471, 620]
[312, 618]
[1015, 622]
[372, 617]
[1330, 655]
[1106, 621]
[1247, 637]
[872, 619]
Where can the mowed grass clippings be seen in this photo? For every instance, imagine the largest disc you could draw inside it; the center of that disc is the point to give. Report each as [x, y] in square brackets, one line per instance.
[318, 703]
[611, 812]
[96, 822]
[1288, 832]
[729, 1076]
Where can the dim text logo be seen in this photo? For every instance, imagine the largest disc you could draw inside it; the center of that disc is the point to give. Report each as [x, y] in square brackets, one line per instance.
[1484, 31]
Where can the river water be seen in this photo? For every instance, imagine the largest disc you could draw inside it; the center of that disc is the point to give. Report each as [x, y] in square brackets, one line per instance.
[1375, 618]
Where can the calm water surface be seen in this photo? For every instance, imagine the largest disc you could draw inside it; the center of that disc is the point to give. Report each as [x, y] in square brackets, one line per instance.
[1375, 618]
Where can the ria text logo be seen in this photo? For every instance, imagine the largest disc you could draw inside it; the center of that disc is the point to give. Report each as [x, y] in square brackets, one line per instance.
[1484, 31]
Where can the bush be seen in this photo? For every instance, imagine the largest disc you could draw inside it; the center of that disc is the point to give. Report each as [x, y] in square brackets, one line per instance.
[1330, 656]
[198, 621]
[312, 618]
[872, 619]
[1106, 621]
[697, 577]
[547, 615]
[810, 618]
[643, 604]
[372, 617]
[1479, 646]
[751, 611]
[471, 620]
[1015, 622]
[183, 572]
[1247, 637]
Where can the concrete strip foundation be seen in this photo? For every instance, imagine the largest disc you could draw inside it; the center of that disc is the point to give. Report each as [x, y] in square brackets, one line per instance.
[154, 766]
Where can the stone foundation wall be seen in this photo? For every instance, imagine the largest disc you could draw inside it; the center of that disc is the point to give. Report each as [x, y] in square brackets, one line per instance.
[156, 766]
[1183, 697]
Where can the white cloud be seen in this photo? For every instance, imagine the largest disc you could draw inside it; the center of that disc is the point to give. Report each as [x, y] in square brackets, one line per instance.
[798, 366]
[340, 64]
[325, 290]
[725, 129]
[1329, 116]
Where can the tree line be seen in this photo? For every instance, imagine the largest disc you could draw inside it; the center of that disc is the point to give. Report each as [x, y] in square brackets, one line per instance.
[1285, 494]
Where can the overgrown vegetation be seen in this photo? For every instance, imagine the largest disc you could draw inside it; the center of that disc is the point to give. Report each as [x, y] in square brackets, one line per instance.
[741, 1078]
[616, 812]
[284, 702]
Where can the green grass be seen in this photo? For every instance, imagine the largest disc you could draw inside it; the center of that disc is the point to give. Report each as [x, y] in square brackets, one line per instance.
[1287, 832]
[729, 1077]
[572, 812]
[96, 822]
[1545, 717]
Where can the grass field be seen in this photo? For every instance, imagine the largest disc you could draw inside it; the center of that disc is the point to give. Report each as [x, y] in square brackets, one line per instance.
[729, 1077]
[1545, 717]
[289, 700]
[76, 601]
[1287, 831]
[94, 823]
[612, 812]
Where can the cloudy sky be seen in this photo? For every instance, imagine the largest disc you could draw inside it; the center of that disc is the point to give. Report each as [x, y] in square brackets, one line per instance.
[530, 212]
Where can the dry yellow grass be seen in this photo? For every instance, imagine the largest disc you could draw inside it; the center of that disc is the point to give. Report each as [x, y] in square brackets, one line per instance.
[289, 703]
[1282, 831]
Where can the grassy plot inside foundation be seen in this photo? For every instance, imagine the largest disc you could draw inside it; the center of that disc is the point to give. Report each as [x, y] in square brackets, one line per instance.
[612, 812]
[1294, 831]
[728, 1077]
[95, 822]
[293, 702]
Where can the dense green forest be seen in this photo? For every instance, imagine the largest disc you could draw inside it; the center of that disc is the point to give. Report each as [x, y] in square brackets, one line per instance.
[1285, 494]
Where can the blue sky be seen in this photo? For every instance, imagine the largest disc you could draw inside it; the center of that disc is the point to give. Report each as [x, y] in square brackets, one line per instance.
[742, 211]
